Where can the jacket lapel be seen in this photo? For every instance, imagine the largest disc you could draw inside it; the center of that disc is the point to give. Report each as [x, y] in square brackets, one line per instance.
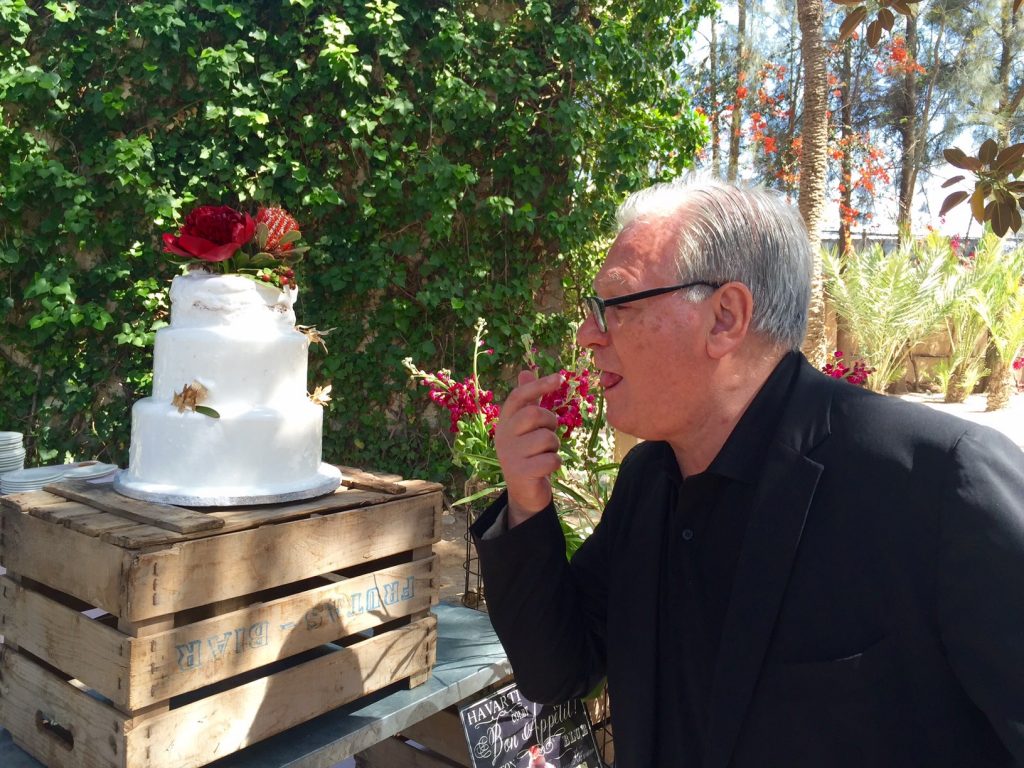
[783, 496]
[637, 606]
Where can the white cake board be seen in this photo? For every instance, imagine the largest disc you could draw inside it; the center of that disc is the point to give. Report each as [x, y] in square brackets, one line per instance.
[325, 481]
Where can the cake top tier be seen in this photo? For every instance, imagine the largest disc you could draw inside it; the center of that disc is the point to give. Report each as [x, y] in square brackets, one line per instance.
[200, 299]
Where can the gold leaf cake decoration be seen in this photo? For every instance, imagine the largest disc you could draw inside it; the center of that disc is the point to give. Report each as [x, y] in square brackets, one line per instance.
[190, 399]
[314, 335]
[321, 395]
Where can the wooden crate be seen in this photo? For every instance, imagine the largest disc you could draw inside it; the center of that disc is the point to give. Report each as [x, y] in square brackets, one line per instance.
[143, 635]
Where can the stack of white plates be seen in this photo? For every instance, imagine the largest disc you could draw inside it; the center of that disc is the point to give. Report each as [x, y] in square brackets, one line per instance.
[34, 478]
[22, 480]
[90, 470]
[12, 452]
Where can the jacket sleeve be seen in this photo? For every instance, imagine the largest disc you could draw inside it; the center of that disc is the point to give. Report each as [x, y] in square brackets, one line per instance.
[550, 614]
[980, 578]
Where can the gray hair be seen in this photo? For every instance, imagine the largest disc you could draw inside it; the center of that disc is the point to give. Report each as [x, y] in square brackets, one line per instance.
[744, 234]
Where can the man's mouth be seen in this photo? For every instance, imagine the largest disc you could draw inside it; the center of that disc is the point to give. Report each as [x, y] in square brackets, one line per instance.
[609, 379]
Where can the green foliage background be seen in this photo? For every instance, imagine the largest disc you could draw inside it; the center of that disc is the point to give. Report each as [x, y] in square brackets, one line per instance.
[446, 160]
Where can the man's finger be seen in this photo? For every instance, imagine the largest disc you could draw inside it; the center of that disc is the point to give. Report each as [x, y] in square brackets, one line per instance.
[530, 391]
[529, 418]
[537, 442]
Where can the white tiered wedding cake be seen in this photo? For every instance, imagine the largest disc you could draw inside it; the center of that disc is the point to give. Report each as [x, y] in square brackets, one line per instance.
[229, 421]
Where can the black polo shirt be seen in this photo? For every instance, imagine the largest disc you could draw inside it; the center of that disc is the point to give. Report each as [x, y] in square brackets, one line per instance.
[707, 520]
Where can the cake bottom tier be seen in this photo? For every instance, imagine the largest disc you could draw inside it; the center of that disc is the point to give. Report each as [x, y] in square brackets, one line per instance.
[260, 455]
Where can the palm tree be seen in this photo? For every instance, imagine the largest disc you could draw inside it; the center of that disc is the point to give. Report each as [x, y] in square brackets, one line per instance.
[889, 302]
[737, 110]
[968, 337]
[813, 162]
[999, 301]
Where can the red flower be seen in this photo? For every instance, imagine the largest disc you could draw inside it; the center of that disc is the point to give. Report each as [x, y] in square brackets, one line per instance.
[839, 370]
[279, 223]
[741, 92]
[463, 398]
[211, 233]
[569, 400]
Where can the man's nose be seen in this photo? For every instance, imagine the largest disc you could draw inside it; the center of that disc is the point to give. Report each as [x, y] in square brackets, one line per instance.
[589, 335]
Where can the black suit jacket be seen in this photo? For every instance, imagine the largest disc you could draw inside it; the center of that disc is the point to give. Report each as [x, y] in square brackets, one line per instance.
[877, 613]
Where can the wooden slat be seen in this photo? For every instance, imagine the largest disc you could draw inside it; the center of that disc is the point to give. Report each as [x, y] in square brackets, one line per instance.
[61, 514]
[85, 649]
[88, 568]
[200, 571]
[103, 496]
[35, 702]
[146, 534]
[94, 522]
[340, 500]
[23, 502]
[192, 656]
[101, 524]
[237, 518]
[378, 473]
[366, 481]
[246, 518]
[138, 536]
[218, 725]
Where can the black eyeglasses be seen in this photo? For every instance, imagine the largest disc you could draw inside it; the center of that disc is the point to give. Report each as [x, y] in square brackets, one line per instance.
[596, 305]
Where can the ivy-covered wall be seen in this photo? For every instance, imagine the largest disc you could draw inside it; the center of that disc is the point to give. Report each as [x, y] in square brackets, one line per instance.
[446, 160]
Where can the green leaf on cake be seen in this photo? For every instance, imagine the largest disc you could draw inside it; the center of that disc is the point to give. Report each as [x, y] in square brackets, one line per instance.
[262, 234]
[288, 237]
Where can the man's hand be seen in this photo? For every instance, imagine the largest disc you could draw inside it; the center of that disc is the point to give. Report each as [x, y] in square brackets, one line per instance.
[527, 443]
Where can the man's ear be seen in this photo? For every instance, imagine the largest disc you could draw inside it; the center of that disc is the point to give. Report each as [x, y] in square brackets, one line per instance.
[733, 307]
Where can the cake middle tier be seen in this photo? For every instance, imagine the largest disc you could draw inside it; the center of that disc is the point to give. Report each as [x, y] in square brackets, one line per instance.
[261, 450]
[236, 369]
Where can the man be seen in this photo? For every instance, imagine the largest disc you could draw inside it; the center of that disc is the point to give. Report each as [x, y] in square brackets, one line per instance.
[791, 571]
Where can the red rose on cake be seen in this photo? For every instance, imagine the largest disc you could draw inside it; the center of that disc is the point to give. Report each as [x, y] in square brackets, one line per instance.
[211, 233]
[263, 248]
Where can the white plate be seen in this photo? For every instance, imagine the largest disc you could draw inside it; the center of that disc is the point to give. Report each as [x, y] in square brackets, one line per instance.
[38, 482]
[33, 475]
[87, 469]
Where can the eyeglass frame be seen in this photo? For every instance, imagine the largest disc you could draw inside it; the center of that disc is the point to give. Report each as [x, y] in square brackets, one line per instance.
[597, 306]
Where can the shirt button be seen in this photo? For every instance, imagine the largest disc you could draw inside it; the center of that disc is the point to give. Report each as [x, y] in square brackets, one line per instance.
[687, 533]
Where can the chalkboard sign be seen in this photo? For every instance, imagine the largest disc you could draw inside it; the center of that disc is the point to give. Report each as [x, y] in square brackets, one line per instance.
[505, 730]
